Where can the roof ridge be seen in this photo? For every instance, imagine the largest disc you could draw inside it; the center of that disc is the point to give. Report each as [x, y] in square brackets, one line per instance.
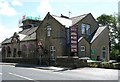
[56, 16]
[79, 16]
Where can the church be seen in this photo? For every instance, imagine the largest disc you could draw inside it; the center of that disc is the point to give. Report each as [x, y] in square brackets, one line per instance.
[56, 40]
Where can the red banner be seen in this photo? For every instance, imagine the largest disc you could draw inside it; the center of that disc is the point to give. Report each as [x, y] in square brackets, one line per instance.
[73, 33]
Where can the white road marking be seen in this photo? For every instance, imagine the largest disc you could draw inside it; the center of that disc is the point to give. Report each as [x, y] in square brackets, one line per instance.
[0, 73]
[21, 76]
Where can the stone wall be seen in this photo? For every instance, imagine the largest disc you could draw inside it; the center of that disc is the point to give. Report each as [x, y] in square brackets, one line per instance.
[66, 61]
[23, 60]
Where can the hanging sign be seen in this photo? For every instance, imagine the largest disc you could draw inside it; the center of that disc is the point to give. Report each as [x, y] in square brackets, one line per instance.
[73, 35]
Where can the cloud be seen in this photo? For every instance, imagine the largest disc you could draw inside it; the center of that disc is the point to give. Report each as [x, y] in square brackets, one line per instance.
[6, 32]
[6, 9]
[85, 1]
[44, 7]
[16, 3]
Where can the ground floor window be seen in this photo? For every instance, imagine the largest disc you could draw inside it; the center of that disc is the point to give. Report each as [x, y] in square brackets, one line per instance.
[93, 52]
[3, 52]
[8, 51]
[52, 52]
[19, 53]
[103, 52]
[31, 49]
[24, 50]
[82, 48]
[14, 52]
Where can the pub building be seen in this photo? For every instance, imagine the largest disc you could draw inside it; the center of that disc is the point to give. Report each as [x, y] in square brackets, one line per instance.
[57, 40]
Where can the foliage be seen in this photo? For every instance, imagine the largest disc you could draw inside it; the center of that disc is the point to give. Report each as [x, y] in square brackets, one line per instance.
[113, 24]
[94, 65]
[107, 65]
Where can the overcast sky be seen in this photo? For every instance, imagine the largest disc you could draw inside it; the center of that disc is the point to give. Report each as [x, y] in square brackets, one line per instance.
[11, 11]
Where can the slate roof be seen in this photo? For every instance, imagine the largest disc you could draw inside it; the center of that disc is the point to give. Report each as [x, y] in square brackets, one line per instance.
[77, 18]
[22, 36]
[64, 21]
[28, 34]
[69, 21]
[29, 37]
[7, 40]
[94, 35]
[97, 33]
[28, 31]
[25, 35]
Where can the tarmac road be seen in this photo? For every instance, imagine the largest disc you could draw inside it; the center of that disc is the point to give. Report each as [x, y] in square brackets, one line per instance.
[10, 72]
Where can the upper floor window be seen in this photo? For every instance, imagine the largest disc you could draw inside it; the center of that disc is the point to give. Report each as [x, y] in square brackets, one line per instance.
[88, 29]
[85, 28]
[49, 31]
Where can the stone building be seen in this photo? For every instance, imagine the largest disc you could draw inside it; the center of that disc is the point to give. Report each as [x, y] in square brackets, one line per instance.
[87, 39]
[21, 47]
[56, 39]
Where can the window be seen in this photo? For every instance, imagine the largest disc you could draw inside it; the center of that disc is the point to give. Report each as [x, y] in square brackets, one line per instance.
[88, 29]
[82, 48]
[3, 52]
[24, 50]
[31, 49]
[8, 51]
[48, 31]
[14, 52]
[103, 52]
[52, 52]
[85, 28]
[93, 51]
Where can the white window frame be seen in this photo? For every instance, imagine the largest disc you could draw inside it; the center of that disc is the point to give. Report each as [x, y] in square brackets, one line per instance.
[87, 29]
[52, 52]
[83, 28]
[82, 48]
[49, 31]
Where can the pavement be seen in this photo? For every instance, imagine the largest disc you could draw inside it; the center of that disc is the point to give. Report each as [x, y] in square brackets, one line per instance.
[36, 66]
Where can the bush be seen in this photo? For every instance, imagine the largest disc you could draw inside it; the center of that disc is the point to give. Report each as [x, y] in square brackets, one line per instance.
[110, 65]
[105, 64]
[94, 65]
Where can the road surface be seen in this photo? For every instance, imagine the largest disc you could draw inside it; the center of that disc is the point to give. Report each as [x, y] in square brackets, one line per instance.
[10, 72]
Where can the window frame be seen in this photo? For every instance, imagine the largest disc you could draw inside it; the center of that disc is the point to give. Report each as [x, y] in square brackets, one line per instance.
[85, 29]
[83, 25]
[52, 52]
[82, 48]
[49, 31]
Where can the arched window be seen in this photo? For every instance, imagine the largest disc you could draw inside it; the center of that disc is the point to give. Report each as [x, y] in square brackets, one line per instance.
[3, 52]
[31, 49]
[24, 50]
[14, 52]
[8, 51]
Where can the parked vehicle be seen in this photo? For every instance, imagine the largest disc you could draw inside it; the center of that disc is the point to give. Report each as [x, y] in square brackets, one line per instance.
[88, 60]
[112, 61]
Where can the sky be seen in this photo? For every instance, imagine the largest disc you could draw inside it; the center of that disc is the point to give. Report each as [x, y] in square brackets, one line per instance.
[11, 11]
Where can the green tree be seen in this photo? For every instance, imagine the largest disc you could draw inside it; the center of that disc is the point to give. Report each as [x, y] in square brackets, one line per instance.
[114, 33]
